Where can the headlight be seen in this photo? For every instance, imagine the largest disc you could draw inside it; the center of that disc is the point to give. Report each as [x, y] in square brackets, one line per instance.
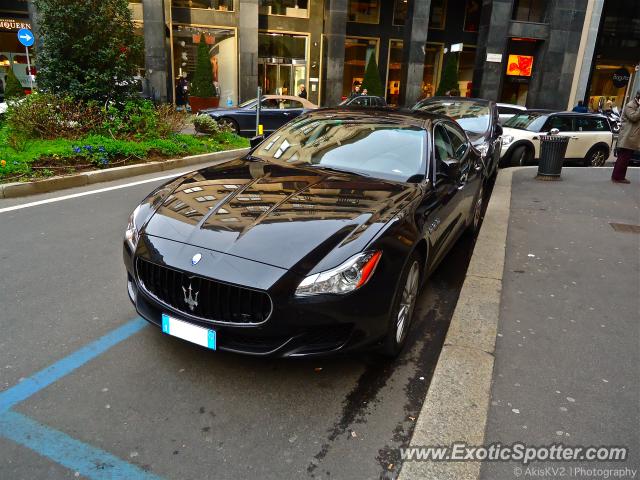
[349, 276]
[507, 140]
[132, 233]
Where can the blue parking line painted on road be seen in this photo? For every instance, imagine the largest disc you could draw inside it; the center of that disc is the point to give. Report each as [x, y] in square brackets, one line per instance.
[75, 455]
[52, 373]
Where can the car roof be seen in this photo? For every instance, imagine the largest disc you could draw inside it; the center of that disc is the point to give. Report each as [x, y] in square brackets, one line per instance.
[388, 114]
[456, 99]
[305, 103]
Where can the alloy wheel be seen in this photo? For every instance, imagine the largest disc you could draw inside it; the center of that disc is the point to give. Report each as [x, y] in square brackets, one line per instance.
[407, 302]
[598, 158]
[477, 211]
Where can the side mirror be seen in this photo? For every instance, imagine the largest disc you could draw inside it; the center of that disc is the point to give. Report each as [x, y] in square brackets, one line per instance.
[554, 131]
[499, 130]
[255, 141]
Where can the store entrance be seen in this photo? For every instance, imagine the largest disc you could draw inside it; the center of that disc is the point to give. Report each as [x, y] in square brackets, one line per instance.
[281, 78]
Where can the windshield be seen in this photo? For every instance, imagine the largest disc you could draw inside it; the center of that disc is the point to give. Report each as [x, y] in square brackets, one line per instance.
[368, 147]
[247, 103]
[471, 116]
[530, 121]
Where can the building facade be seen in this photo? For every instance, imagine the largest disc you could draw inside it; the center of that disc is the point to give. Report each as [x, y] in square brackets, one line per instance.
[537, 53]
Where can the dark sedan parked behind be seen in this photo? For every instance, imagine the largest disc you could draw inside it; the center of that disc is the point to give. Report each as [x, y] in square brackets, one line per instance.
[317, 241]
[275, 111]
[479, 118]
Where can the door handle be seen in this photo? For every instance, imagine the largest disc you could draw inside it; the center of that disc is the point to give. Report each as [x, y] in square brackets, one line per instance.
[575, 138]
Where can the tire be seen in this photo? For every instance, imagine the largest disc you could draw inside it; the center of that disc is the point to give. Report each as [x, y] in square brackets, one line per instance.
[596, 157]
[403, 307]
[476, 213]
[521, 156]
[231, 123]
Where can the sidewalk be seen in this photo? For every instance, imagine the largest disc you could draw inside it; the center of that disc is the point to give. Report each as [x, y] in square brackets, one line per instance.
[567, 350]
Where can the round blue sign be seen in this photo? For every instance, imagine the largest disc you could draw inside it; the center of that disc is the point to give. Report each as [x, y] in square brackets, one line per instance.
[26, 37]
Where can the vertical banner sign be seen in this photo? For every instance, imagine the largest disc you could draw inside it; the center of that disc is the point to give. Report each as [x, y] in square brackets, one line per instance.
[26, 38]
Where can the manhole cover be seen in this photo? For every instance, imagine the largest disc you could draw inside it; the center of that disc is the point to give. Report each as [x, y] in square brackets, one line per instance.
[625, 227]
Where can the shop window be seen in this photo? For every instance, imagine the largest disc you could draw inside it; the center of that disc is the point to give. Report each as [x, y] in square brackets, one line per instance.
[530, 10]
[438, 14]
[400, 12]
[356, 55]
[431, 75]
[364, 11]
[289, 8]
[220, 5]
[221, 43]
[394, 71]
[472, 11]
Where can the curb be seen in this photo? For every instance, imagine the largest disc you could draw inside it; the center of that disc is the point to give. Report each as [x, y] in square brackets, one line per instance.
[457, 403]
[22, 189]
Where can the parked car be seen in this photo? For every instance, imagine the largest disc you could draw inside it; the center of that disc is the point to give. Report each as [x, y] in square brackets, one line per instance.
[590, 137]
[363, 101]
[508, 110]
[316, 241]
[479, 118]
[275, 111]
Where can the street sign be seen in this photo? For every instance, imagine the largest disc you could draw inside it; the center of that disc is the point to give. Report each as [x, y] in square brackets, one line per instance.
[26, 37]
[457, 47]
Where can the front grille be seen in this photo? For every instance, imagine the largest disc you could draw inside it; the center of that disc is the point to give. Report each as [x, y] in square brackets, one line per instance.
[216, 301]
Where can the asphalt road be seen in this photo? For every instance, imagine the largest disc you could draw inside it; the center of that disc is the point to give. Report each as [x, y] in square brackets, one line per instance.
[164, 406]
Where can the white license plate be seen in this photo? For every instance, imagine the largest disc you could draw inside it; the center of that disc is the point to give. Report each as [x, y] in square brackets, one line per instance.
[189, 332]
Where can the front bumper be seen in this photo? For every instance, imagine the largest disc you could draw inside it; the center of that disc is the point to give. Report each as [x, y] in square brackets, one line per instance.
[308, 326]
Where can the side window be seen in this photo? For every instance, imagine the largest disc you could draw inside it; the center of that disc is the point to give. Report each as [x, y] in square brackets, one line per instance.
[592, 124]
[270, 103]
[562, 123]
[508, 110]
[458, 141]
[358, 102]
[442, 146]
[287, 104]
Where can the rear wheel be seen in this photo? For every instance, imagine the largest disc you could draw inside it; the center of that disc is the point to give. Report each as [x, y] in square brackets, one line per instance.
[521, 156]
[596, 157]
[403, 308]
[474, 224]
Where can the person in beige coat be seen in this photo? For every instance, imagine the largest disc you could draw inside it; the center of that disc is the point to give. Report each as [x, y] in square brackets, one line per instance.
[628, 140]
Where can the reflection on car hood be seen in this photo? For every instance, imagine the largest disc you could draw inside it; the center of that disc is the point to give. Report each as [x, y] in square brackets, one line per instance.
[283, 216]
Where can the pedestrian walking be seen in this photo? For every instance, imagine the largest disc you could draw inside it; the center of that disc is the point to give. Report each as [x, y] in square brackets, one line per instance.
[581, 108]
[628, 140]
[182, 93]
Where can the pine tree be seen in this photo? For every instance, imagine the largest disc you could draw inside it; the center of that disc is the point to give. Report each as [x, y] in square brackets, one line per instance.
[449, 80]
[89, 49]
[13, 89]
[371, 79]
[202, 84]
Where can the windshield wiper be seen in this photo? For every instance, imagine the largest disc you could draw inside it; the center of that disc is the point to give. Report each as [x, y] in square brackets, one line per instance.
[338, 170]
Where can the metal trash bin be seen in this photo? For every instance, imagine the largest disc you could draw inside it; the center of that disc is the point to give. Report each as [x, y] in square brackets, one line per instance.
[552, 151]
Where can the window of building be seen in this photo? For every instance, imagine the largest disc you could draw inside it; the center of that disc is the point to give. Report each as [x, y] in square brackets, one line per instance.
[432, 64]
[357, 52]
[221, 43]
[400, 12]
[220, 5]
[289, 8]
[282, 64]
[530, 10]
[438, 14]
[472, 11]
[394, 71]
[364, 11]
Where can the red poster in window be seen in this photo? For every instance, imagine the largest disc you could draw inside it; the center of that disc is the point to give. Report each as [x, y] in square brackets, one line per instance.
[520, 65]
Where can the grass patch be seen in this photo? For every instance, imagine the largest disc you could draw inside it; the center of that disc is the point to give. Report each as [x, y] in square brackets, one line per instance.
[37, 158]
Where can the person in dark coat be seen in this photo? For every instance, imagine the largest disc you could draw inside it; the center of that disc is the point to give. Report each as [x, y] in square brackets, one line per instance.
[628, 140]
[580, 108]
[303, 92]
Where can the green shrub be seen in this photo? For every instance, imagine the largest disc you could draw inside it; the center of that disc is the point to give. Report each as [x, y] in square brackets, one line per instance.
[202, 84]
[449, 81]
[13, 89]
[371, 80]
[207, 125]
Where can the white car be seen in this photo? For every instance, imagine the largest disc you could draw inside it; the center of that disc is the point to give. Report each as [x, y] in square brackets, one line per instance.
[508, 110]
[590, 137]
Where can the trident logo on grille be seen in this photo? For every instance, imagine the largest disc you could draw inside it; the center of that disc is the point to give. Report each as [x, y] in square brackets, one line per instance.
[189, 299]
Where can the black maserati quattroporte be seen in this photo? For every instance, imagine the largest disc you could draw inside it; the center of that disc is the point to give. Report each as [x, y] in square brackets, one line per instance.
[317, 241]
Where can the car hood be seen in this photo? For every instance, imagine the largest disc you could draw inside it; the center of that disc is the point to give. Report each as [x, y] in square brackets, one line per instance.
[286, 217]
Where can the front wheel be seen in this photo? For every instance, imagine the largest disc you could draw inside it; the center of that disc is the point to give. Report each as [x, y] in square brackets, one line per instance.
[230, 124]
[596, 157]
[474, 224]
[403, 308]
[521, 157]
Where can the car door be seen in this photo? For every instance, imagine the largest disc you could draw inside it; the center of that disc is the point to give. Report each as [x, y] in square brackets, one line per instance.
[292, 108]
[590, 131]
[442, 221]
[271, 116]
[565, 126]
[470, 171]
